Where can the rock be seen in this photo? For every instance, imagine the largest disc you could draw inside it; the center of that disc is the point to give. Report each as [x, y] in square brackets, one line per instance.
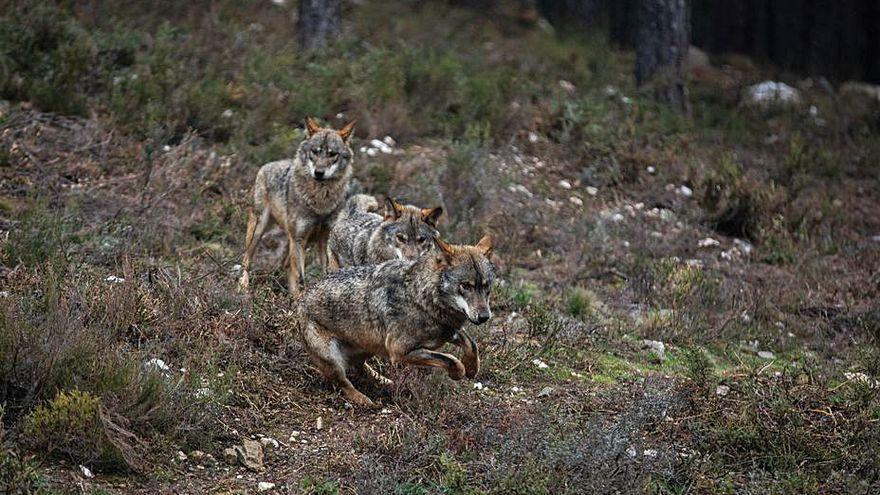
[114, 279]
[319, 423]
[533, 137]
[158, 365]
[5, 293]
[265, 486]
[743, 246]
[765, 355]
[269, 443]
[250, 455]
[576, 201]
[655, 346]
[86, 471]
[651, 169]
[545, 392]
[381, 146]
[227, 114]
[617, 217]
[685, 191]
[567, 86]
[565, 184]
[592, 191]
[696, 58]
[649, 453]
[230, 456]
[478, 385]
[180, 456]
[372, 152]
[708, 242]
[771, 93]
[540, 364]
[389, 141]
[722, 390]
[293, 435]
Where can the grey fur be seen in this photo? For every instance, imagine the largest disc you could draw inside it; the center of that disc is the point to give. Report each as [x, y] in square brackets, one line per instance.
[359, 237]
[402, 310]
[303, 196]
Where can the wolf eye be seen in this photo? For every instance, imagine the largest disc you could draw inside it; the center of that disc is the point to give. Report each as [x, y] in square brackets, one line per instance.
[401, 238]
[466, 286]
[420, 240]
[313, 151]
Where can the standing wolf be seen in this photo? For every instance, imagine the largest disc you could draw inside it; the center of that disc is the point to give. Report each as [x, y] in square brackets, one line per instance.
[302, 195]
[402, 310]
[360, 237]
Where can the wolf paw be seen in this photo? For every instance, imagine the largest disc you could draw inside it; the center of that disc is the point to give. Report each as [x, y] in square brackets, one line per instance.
[359, 400]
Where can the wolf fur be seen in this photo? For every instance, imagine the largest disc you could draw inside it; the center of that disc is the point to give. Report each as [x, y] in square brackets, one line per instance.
[303, 196]
[359, 237]
[402, 310]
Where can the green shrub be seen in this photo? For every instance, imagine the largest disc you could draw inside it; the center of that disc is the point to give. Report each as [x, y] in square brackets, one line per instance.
[46, 57]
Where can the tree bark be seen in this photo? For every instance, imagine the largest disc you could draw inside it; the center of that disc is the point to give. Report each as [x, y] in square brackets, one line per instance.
[661, 46]
[319, 23]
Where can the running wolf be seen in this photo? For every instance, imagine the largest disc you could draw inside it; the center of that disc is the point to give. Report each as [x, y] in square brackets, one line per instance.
[359, 237]
[402, 310]
[302, 195]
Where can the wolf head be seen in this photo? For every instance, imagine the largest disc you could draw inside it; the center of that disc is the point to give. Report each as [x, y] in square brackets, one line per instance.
[326, 152]
[409, 231]
[466, 277]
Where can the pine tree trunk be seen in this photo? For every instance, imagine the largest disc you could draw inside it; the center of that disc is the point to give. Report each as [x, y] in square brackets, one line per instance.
[661, 46]
[319, 22]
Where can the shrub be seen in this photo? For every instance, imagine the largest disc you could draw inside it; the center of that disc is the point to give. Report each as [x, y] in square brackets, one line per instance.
[45, 57]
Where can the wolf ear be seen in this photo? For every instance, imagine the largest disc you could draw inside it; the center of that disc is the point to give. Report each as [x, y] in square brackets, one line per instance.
[446, 250]
[312, 126]
[485, 245]
[345, 132]
[393, 209]
[431, 215]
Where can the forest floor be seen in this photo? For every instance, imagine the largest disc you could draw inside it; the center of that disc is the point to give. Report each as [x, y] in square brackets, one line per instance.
[685, 304]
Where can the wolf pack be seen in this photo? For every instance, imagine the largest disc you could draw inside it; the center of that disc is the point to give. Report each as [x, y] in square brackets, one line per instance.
[392, 287]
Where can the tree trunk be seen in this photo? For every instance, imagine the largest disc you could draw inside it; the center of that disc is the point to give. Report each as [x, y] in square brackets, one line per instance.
[661, 46]
[319, 22]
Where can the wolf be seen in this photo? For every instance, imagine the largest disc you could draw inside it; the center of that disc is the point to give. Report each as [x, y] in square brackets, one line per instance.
[359, 237]
[402, 310]
[303, 196]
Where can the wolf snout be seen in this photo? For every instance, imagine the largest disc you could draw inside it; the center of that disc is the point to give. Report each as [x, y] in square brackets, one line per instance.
[482, 317]
[319, 174]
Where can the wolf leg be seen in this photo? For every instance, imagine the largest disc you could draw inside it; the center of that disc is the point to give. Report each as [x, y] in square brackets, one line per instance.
[295, 279]
[329, 358]
[255, 229]
[470, 353]
[321, 246]
[424, 357]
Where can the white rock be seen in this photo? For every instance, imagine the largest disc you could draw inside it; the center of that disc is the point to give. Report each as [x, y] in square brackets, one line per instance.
[592, 191]
[770, 93]
[4, 293]
[722, 390]
[617, 217]
[293, 435]
[631, 451]
[610, 91]
[86, 471]
[545, 392]
[814, 112]
[389, 141]
[708, 242]
[651, 169]
[165, 148]
[265, 486]
[362, 149]
[743, 246]
[765, 355]
[478, 385]
[236, 267]
[649, 453]
[114, 279]
[533, 138]
[657, 347]
[381, 146]
[685, 191]
[372, 152]
[158, 364]
[576, 201]
[180, 456]
[515, 389]
[227, 114]
[279, 2]
[540, 364]
[319, 423]
[565, 184]
[269, 443]
[567, 86]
